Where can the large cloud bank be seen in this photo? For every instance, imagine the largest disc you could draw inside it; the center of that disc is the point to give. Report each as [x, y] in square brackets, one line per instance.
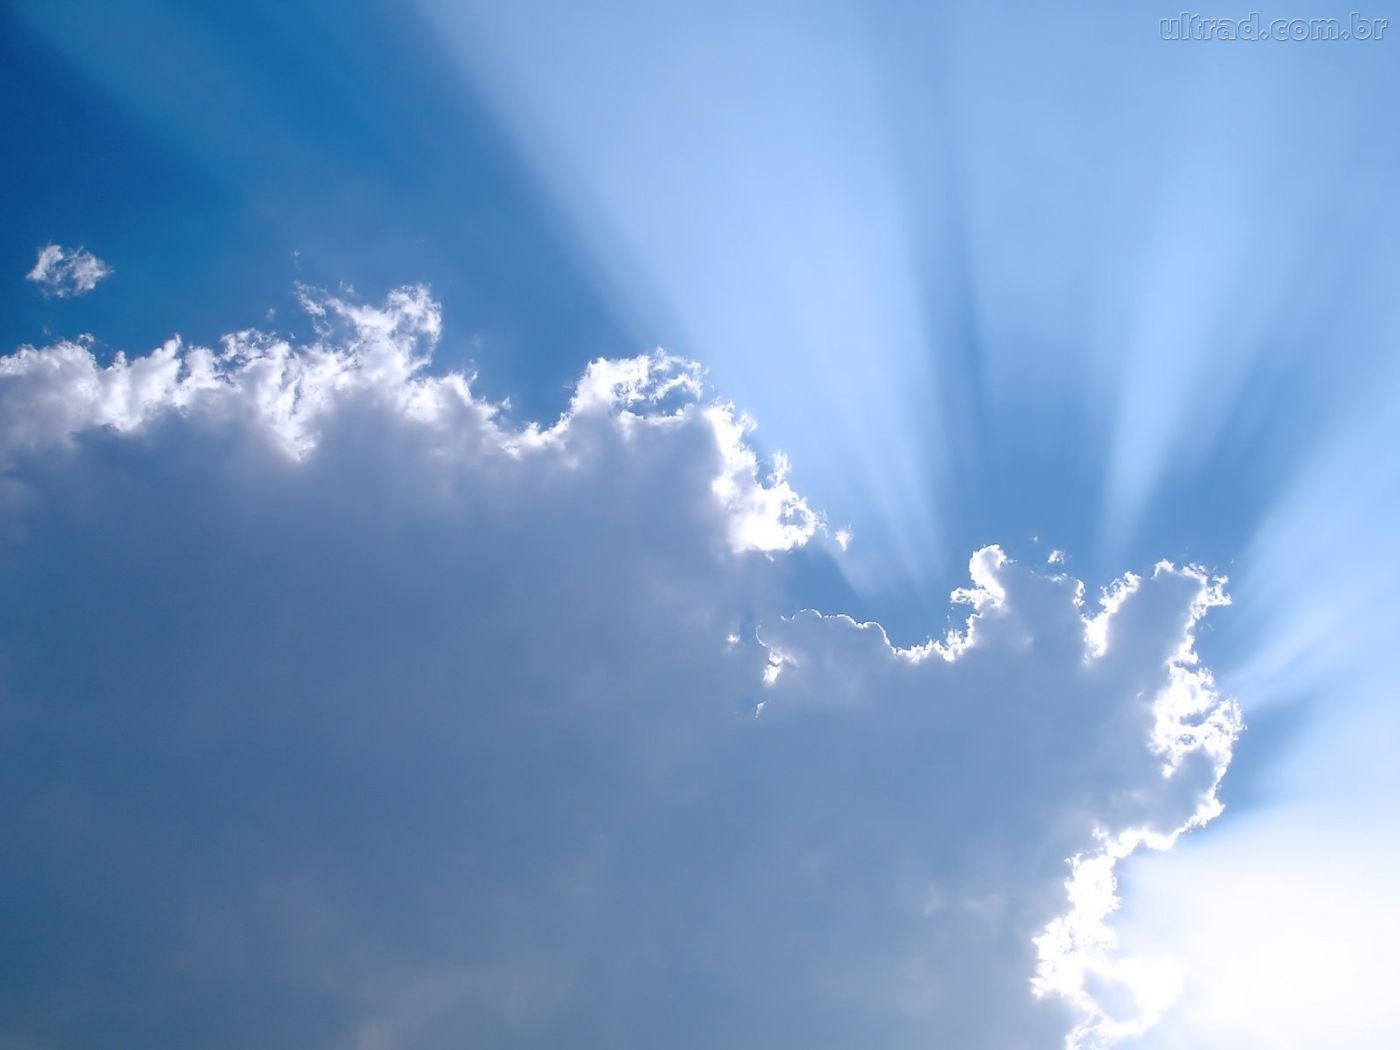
[337, 709]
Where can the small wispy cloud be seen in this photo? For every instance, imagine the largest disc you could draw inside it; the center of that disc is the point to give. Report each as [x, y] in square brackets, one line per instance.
[65, 273]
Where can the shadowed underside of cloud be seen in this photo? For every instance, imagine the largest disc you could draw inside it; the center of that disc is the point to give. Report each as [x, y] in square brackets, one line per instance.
[338, 709]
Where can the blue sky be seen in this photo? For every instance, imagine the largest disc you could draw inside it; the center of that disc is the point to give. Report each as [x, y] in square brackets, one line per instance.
[989, 274]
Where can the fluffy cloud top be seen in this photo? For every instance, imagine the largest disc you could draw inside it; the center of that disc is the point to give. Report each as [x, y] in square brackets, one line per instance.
[67, 272]
[338, 709]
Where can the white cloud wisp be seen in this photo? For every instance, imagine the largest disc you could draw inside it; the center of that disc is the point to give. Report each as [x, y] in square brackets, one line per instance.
[66, 273]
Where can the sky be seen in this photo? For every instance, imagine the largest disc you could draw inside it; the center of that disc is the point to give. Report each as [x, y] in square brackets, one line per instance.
[758, 524]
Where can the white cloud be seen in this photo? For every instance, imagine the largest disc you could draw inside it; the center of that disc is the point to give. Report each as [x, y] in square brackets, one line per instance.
[67, 272]
[1116, 740]
[410, 722]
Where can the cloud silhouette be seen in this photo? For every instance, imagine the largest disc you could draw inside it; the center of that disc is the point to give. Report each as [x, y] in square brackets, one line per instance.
[340, 709]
